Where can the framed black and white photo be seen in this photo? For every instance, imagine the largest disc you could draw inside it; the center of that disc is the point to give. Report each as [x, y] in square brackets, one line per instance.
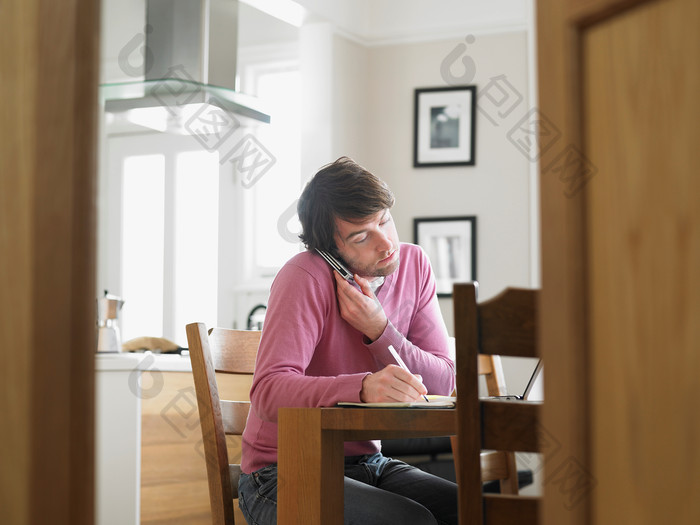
[450, 243]
[444, 126]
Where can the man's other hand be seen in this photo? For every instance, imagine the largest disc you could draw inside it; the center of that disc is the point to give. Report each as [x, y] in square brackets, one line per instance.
[392, 384]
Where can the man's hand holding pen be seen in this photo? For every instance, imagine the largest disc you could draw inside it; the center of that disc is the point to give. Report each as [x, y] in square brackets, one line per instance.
[392, 384]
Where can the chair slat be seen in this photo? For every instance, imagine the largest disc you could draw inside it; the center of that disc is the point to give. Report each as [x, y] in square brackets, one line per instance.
[501, 509]
[507, 324]
[234, 415]
[510, 425]
[485, 365]
[236, 350]
[493, 465]
[491, 368]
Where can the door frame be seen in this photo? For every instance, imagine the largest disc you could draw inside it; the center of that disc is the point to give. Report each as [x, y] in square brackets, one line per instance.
[49, 63]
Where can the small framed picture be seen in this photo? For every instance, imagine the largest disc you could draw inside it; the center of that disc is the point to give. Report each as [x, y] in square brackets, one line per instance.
[450, 243]
[444, 126]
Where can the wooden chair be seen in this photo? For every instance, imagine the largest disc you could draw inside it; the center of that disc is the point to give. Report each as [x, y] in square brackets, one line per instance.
[222, 351]
[496, 465]
[504, 325]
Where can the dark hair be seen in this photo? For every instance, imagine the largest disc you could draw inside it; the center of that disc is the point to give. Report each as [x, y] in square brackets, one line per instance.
[343, 190]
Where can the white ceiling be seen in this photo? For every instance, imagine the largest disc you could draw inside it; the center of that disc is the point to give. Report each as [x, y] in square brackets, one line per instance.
[372, 22]
[382, 21]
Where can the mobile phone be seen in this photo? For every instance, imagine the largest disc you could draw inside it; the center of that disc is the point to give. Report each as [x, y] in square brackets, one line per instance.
[336, 265]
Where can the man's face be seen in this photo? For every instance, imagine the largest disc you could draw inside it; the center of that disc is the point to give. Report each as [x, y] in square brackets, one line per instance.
[371, 247]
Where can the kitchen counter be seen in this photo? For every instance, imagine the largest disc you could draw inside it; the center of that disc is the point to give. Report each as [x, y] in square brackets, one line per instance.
[143, 361]
[119, 393]
[150, 466]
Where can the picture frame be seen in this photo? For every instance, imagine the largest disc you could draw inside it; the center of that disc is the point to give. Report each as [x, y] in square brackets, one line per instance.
[450, 243]
[444, 126]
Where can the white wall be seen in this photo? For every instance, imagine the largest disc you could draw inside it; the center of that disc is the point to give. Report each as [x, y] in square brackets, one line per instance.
[351, 91]
[121, 39]
[373, 122]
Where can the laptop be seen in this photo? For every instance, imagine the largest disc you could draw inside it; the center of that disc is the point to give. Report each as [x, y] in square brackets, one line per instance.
[528, 388]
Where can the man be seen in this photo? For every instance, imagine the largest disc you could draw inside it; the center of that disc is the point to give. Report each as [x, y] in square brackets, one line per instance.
[326, 340]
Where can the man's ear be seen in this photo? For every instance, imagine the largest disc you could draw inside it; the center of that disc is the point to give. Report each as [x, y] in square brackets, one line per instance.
[336, 253]
[334, 250]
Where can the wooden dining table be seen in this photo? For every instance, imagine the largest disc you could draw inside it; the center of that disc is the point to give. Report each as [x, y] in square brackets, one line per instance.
[311, 453]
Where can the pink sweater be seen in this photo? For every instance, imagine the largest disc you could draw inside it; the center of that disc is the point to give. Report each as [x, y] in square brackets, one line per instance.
[310, 357]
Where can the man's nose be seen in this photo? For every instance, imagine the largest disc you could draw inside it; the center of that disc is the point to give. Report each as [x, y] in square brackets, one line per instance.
[384, 243]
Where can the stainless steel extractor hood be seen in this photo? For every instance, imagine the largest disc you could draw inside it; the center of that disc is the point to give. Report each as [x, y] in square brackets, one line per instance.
[189, 64]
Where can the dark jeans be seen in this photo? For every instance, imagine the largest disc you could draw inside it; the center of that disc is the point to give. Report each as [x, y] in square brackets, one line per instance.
[378, 491]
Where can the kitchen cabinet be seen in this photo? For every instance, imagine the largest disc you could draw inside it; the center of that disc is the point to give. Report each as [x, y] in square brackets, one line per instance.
[150, 459]
[117, 439]
[174, 485]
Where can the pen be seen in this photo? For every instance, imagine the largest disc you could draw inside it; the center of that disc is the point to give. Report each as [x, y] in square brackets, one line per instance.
[400, 362]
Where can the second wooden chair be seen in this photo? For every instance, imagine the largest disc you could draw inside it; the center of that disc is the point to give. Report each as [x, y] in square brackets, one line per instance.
[504, 325]
[223, 351]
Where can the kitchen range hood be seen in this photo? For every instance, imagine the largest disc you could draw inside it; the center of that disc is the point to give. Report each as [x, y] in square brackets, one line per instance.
[189, 62]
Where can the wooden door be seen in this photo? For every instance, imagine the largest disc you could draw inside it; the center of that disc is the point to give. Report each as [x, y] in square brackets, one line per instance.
[48, 88]
[619, 119]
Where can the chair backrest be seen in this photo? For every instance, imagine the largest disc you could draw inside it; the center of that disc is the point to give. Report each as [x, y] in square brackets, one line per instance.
[223, 351]
[504, 325]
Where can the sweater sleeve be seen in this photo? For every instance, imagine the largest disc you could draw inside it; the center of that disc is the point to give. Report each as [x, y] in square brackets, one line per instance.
[298, 309]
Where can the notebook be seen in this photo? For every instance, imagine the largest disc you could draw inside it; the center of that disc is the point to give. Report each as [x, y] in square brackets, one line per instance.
[528, 387]
[433, 402]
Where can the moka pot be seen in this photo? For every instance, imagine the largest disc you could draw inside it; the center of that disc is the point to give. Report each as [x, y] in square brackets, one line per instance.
[108, 337]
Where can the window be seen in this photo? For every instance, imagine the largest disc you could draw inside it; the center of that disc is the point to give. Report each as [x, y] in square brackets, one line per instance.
[142, 233]
[196, 214]
[162, 196]
[163, 233]
[270, 204]
[276, 194]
